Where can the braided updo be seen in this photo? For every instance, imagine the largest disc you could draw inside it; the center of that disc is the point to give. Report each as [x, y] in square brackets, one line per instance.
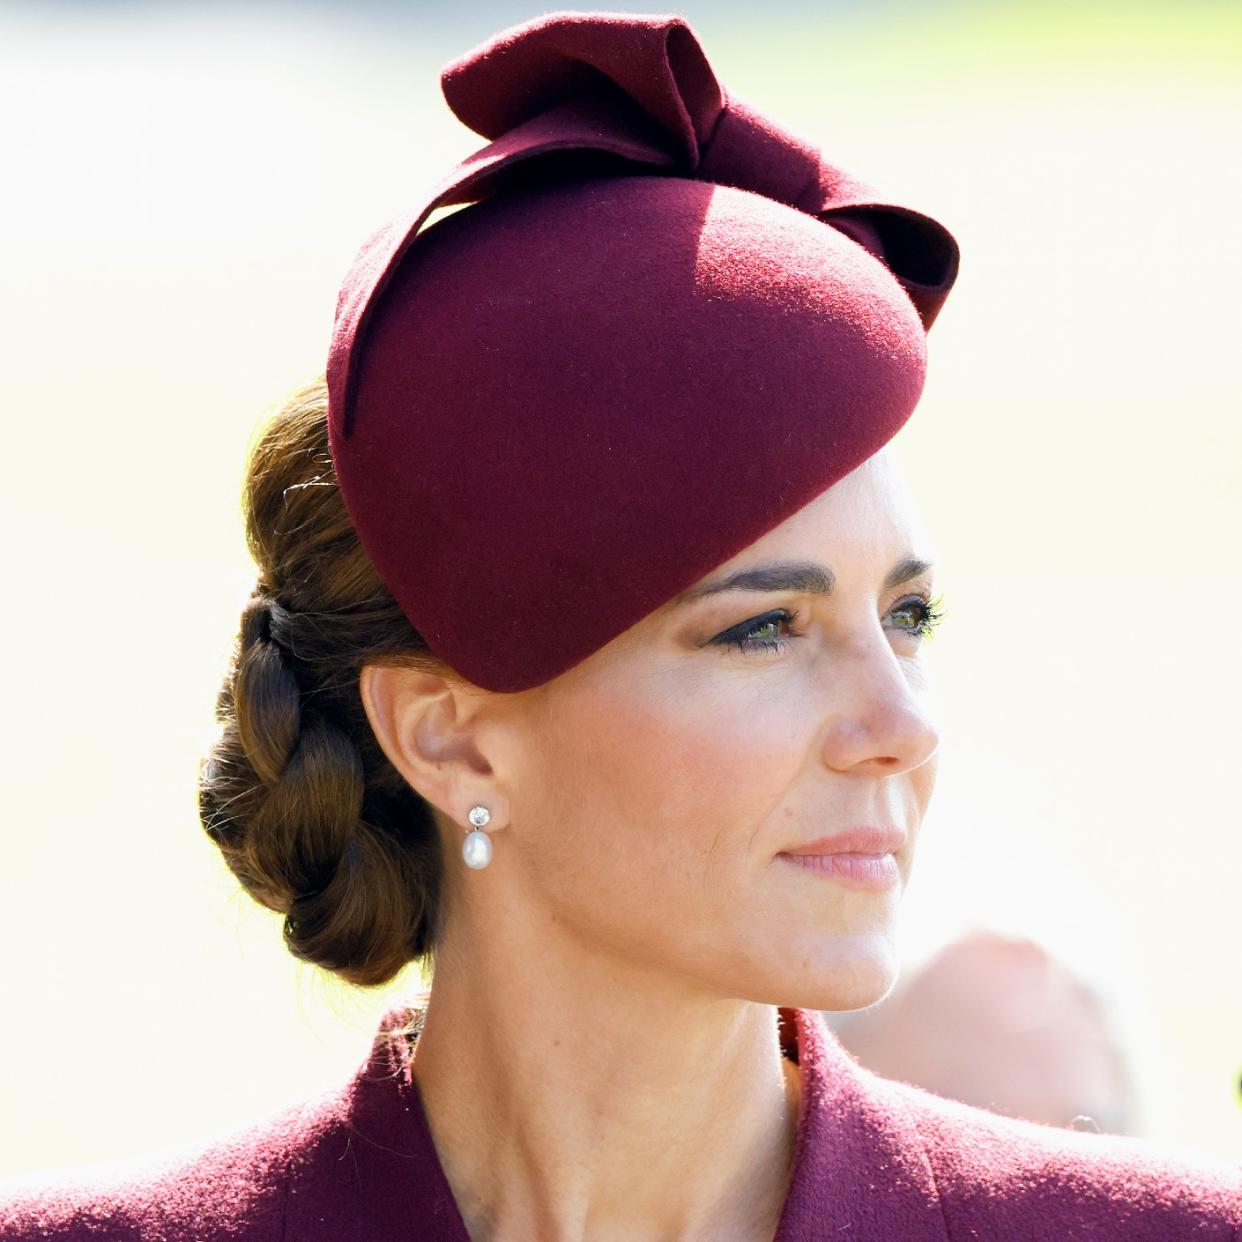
[306, 808]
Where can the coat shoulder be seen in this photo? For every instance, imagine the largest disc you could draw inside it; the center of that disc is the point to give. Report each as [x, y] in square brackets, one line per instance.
[228, 1187]
[1000, 1176]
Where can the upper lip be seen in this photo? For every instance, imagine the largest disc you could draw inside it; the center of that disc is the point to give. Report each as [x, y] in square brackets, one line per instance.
[854, 841]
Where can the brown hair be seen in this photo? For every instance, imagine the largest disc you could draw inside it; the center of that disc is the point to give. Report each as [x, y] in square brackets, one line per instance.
[306, 808]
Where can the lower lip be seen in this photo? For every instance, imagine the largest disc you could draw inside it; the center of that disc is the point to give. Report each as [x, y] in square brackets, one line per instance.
[868, 871]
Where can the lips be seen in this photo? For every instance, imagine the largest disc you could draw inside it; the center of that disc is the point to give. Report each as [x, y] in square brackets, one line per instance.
[854, 841]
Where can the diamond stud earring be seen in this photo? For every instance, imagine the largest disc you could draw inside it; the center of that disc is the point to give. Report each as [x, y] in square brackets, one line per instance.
[476, 849]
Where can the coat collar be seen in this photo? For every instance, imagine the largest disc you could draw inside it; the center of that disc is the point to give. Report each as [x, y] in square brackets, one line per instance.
[860, 1169]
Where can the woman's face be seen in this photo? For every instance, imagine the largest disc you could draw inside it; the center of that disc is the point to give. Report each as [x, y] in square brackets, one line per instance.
[652, 788]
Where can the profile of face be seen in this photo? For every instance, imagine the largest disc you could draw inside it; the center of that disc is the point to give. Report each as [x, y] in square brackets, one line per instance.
[642, 800]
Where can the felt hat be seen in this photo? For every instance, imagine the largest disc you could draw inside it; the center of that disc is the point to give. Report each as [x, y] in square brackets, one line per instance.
[658, 324]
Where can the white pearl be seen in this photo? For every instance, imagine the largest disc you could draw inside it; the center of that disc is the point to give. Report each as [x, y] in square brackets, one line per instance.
[476, 849]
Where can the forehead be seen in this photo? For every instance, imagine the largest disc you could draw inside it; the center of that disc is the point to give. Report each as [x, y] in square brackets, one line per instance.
[868, 516]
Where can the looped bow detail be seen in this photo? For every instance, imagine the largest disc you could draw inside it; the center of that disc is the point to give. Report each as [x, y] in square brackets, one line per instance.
[575, 92]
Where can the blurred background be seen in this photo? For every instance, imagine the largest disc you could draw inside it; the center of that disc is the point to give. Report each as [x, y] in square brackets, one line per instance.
[185, 186]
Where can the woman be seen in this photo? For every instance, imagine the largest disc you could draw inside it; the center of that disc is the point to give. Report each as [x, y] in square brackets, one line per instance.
[585, 666]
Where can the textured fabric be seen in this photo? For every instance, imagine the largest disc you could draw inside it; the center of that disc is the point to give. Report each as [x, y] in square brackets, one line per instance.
[875, 1161]
[660, 324]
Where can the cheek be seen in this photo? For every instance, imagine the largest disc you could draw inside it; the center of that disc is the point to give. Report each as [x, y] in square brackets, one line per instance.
[668, 786]
[923, 782]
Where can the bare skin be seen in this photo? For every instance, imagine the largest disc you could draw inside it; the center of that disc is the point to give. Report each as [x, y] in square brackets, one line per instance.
[600, 1055]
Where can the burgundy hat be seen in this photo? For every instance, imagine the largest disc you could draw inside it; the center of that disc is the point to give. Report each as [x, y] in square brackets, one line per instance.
[663, 324]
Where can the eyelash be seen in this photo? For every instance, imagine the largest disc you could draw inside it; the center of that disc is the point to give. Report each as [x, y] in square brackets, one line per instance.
[739, 635]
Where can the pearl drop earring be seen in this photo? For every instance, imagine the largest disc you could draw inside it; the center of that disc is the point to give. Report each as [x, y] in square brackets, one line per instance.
[476, 849]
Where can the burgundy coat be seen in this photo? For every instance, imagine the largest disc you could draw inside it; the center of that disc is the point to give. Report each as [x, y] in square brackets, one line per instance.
[876, 1161]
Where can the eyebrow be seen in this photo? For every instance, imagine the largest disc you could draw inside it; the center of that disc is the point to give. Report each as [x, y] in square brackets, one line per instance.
[805, 577]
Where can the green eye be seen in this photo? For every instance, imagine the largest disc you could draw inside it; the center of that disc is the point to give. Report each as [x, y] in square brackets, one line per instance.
[759, 633]
[927, 614]
[745, 637]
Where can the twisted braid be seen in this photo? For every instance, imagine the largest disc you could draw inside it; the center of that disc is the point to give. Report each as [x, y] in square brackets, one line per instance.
[296, 792]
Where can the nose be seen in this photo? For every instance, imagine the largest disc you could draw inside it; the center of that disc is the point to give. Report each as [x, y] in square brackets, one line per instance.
[879, 714]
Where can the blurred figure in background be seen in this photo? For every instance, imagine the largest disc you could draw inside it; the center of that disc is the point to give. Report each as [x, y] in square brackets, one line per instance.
[997, 1022]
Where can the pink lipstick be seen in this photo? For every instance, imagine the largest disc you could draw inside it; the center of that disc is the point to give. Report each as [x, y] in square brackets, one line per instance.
[859, 858]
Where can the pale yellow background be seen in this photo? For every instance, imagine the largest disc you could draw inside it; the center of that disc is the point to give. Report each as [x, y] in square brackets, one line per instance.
[182, 194]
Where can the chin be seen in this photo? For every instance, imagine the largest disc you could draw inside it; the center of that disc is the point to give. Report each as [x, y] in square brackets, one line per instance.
[849, 972]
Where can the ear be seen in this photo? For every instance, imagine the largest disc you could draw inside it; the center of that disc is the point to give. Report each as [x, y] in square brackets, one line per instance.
[428, 725]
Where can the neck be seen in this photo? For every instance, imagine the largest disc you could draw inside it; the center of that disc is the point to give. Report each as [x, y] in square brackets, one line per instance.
[586, 1099]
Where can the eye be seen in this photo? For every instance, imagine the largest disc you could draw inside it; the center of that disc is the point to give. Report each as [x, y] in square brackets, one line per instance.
[927, 615]
[762, 633]
[759, 632]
